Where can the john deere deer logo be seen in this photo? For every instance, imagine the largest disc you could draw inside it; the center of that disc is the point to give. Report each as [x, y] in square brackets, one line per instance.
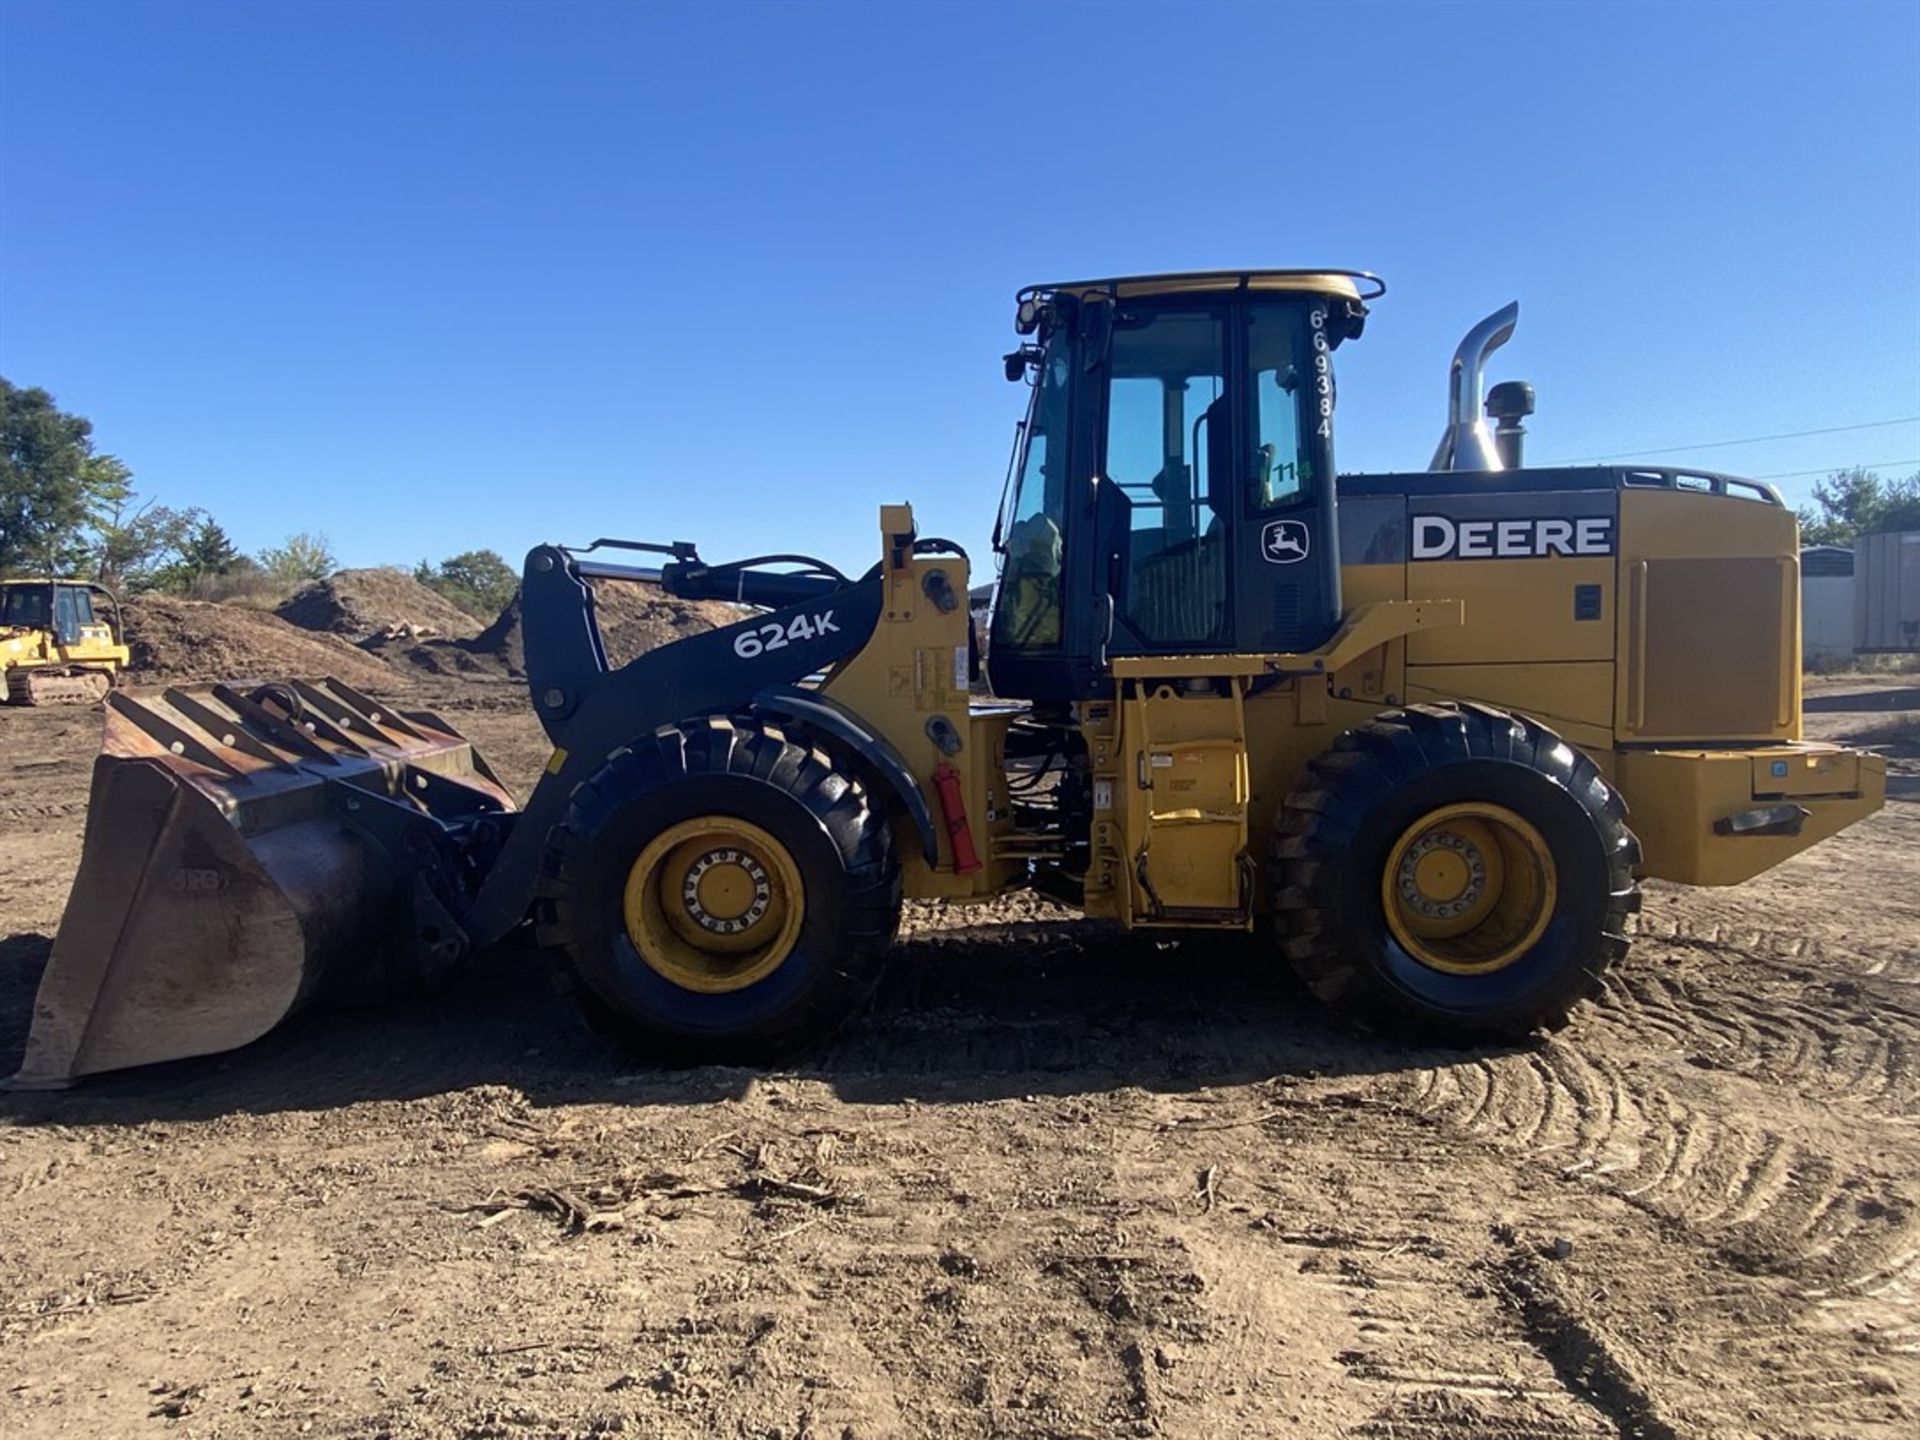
[1284, 541]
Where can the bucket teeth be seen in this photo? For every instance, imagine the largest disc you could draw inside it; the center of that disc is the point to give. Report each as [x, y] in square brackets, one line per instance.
[246, 842]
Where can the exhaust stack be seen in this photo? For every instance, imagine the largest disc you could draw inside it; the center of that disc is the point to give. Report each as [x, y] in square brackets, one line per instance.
[1467, 445]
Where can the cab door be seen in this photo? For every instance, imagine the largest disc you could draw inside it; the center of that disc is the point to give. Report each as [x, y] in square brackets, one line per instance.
[66, 616]
[1215, 462]
[1287, 596]
[1167, 459]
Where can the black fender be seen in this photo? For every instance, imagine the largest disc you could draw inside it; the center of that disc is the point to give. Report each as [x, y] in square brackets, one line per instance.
[810, 710]
[597, 711]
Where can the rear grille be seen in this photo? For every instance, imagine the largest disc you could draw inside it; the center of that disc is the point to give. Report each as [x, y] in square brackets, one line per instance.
[1708, 649]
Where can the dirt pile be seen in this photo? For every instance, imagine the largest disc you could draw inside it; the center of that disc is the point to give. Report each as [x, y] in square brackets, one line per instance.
[376, 605]
[174, 640]
[634, 618]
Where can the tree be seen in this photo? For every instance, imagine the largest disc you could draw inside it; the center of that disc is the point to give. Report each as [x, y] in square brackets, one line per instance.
[306, 556]
[65, 508]
[198, 549]
[478, 581]
[208, 550]
[53, 488]
[108, 485]
[1852, 503]
[135, 547]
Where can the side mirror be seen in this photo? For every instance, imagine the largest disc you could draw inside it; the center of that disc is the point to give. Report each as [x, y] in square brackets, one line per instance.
[1017, 361]
[1096, 332]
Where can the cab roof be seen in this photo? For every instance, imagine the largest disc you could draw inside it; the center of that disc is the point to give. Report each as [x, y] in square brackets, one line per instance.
[1359, 285]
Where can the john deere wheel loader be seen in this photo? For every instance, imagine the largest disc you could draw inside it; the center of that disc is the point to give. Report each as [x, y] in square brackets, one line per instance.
[1427, 729]
[60, 642]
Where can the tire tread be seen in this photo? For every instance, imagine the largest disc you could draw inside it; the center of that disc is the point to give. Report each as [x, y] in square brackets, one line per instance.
[738, 747]
[1319, 820]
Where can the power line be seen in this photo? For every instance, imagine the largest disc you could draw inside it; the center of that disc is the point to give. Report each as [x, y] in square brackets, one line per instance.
[1745, 440]
[1832, 469]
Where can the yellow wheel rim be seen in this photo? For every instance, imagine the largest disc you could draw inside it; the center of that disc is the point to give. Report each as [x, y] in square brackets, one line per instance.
[714, 904]
[1469, 888]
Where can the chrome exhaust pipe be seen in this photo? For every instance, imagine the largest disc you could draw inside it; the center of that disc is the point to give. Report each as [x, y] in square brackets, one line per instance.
[1467, 444]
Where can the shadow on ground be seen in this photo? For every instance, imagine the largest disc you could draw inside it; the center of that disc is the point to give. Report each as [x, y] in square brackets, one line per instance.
[1862, 700]
[1045, 1008]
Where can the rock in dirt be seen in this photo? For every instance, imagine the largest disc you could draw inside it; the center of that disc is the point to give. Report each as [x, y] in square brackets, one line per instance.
[178, 640]
[377, 605]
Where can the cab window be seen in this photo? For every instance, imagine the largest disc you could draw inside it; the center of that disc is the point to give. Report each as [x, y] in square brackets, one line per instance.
[1027, 615]
[26, 607]
[1168, 424]
[1283, 382]
[66, 616]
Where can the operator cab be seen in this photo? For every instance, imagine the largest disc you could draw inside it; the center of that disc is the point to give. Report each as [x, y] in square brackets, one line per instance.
[66, 608]
[1171, 490]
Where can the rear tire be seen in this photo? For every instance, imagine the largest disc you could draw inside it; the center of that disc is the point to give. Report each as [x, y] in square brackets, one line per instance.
[1453, 868]
[720, 893]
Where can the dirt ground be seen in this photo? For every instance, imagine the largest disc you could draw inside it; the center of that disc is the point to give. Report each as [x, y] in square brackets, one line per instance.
[1056, 1183]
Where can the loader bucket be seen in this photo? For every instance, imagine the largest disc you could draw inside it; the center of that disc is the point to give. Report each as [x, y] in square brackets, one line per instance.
[246, 845]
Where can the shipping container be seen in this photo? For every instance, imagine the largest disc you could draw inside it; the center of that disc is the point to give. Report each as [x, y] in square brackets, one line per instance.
[1826, 604]
[1886, 593]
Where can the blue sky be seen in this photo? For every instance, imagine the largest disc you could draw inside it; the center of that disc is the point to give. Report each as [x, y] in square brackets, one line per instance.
[429, 277]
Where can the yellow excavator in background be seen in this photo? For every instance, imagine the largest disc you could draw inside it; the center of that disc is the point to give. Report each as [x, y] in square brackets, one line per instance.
[61, 642]
[1427, 730]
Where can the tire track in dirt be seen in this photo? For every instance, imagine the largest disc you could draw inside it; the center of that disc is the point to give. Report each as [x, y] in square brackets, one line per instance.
[1640, 1099]
[1584, 1355]
[1840, 1049]
[1883, 958]
[1387, 1297]
[1436, 1355]
[1707, 1323]
[43, 811]
[1769, 1200]
[1648, 1098]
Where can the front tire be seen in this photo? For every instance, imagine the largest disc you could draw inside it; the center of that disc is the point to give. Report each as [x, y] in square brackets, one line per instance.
[1453, 868]
[720, 893]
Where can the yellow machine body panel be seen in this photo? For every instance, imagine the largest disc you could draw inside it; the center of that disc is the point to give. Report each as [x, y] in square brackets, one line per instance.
[94, 647]
[1668, 655]
[1709, 620]
[1683, 804]
[910, 684]
[1519, 609]
[1186, 781]
[1187, 804]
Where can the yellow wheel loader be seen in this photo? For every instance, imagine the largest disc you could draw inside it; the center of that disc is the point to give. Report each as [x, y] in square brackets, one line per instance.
[60, 642]
[1426, 730]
